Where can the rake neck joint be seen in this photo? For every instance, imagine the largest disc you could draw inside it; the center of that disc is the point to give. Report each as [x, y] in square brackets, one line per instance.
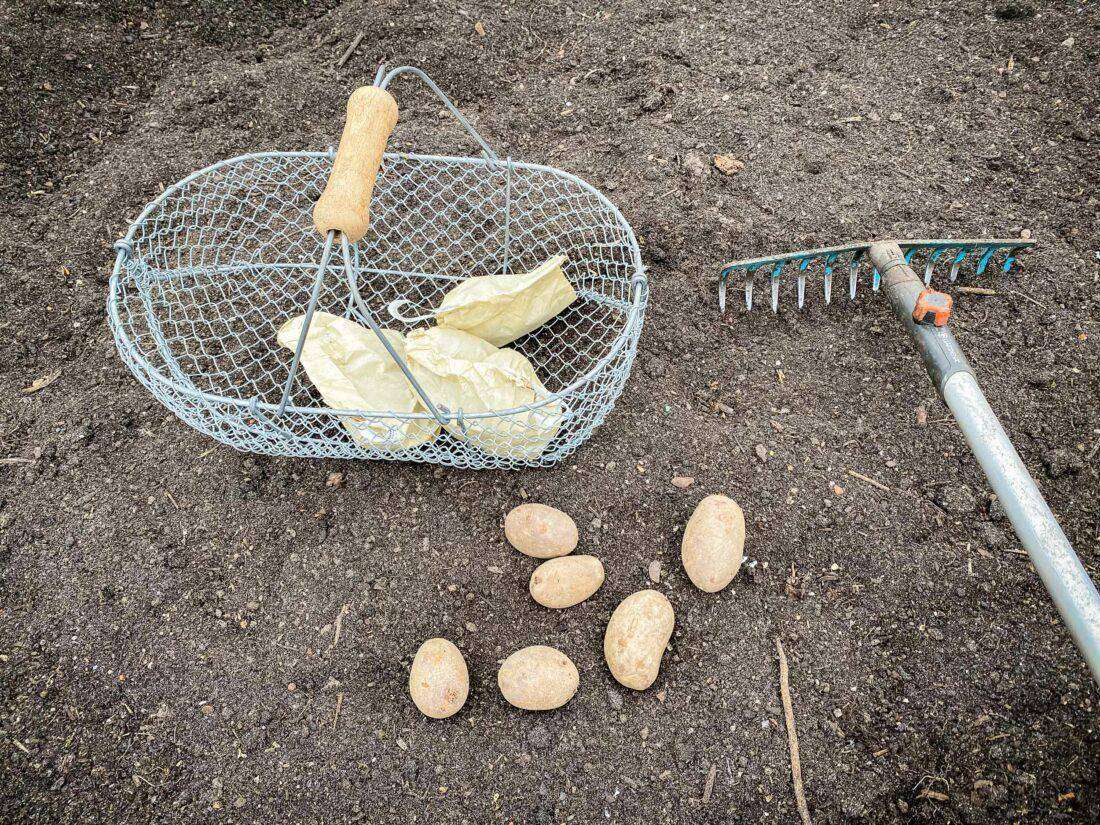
[940, 351]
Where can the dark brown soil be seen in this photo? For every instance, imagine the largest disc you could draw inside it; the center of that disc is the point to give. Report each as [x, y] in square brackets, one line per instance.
[168, 606]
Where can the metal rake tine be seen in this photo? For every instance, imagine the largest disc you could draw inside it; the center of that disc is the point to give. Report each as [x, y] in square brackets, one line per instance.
[802, 281]
[776, 271]
[959, 258]
[930, 264]
[748, 290]
[853, 275]
[829, 260]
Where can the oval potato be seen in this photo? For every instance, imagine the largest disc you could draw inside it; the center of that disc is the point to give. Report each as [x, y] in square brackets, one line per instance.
[439, 681]
[636, 638]
[538, 678]
[540, 531]
[567, 581]
[714, 543]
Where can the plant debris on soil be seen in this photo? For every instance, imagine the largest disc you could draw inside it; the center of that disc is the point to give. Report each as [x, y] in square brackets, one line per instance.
[189, 633]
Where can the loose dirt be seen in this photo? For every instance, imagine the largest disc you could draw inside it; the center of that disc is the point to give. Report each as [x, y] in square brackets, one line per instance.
[188, 633]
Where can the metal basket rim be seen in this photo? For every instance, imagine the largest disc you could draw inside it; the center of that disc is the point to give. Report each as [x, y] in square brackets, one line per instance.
[124, 248]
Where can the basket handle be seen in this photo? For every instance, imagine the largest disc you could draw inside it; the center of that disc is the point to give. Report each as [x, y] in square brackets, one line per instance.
[344, 206]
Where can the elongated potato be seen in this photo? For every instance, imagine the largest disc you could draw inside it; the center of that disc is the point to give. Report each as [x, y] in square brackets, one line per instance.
[714, 543]
[636, 638]
[439, 681]
[538, 678]
[567, 581]
[540, 531]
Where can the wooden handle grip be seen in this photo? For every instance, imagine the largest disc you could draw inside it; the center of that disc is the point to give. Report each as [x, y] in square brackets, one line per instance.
[345, 203]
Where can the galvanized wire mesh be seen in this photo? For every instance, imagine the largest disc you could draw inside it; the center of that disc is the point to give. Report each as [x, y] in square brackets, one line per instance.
[221, 260]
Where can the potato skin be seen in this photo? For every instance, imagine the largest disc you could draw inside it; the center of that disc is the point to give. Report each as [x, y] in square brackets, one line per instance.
[538, 678]
[540, 531]
[439, 680]
[566, 581]
[714, 543]
[636, 636]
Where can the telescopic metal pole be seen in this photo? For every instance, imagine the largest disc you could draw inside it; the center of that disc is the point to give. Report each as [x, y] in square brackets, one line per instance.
[1070, 587]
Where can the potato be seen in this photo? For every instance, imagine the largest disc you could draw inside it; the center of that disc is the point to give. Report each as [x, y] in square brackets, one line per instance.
[566, 581]
[540, 531]
[538, 678]
[714, 543]
[636, 637]
[439, 681]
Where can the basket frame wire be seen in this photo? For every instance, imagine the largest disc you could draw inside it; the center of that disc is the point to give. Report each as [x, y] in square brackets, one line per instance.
[173, 386]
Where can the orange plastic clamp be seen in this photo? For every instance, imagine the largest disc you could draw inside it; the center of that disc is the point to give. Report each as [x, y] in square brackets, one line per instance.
[933, 307]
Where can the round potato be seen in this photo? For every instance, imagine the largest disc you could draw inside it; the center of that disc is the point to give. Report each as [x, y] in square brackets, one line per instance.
[566, 581]
[439, 681]
[636, 637]
[540, 531]
[538, 678]
[714, 543]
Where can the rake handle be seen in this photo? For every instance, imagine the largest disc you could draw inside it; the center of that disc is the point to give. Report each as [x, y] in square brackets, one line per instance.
[1065, 578]
[344, 206]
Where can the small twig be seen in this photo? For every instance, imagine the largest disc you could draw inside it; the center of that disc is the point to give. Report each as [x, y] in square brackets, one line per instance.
[339, 627]
[869, 480]
[709, 787]
[976, 290]
[16, 460]
[339, 704]
[1029, 298]
[348, 52]
[792, 737]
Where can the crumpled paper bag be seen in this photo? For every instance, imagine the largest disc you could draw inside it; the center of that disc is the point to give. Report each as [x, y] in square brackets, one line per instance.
[352, 371]
[463, 372]
[502, 308]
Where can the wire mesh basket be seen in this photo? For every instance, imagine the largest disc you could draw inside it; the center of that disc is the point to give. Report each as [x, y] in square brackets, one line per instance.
[213, 267]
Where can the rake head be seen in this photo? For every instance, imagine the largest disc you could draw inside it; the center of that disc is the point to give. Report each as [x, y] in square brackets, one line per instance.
[968, 258]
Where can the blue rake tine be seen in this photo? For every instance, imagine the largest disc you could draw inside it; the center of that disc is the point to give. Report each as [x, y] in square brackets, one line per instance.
[984, 262]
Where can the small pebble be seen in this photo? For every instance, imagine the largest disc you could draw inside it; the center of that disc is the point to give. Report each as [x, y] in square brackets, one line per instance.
[655, 571]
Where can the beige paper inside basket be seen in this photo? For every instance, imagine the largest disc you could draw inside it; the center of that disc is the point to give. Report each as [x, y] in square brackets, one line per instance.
[501, 308]
[463, 372]
[353, 371]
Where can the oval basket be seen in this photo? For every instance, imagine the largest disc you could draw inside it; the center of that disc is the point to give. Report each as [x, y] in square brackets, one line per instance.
[212, 268]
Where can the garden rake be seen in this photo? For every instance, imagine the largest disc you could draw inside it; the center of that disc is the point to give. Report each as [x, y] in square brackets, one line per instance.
[925, 313]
